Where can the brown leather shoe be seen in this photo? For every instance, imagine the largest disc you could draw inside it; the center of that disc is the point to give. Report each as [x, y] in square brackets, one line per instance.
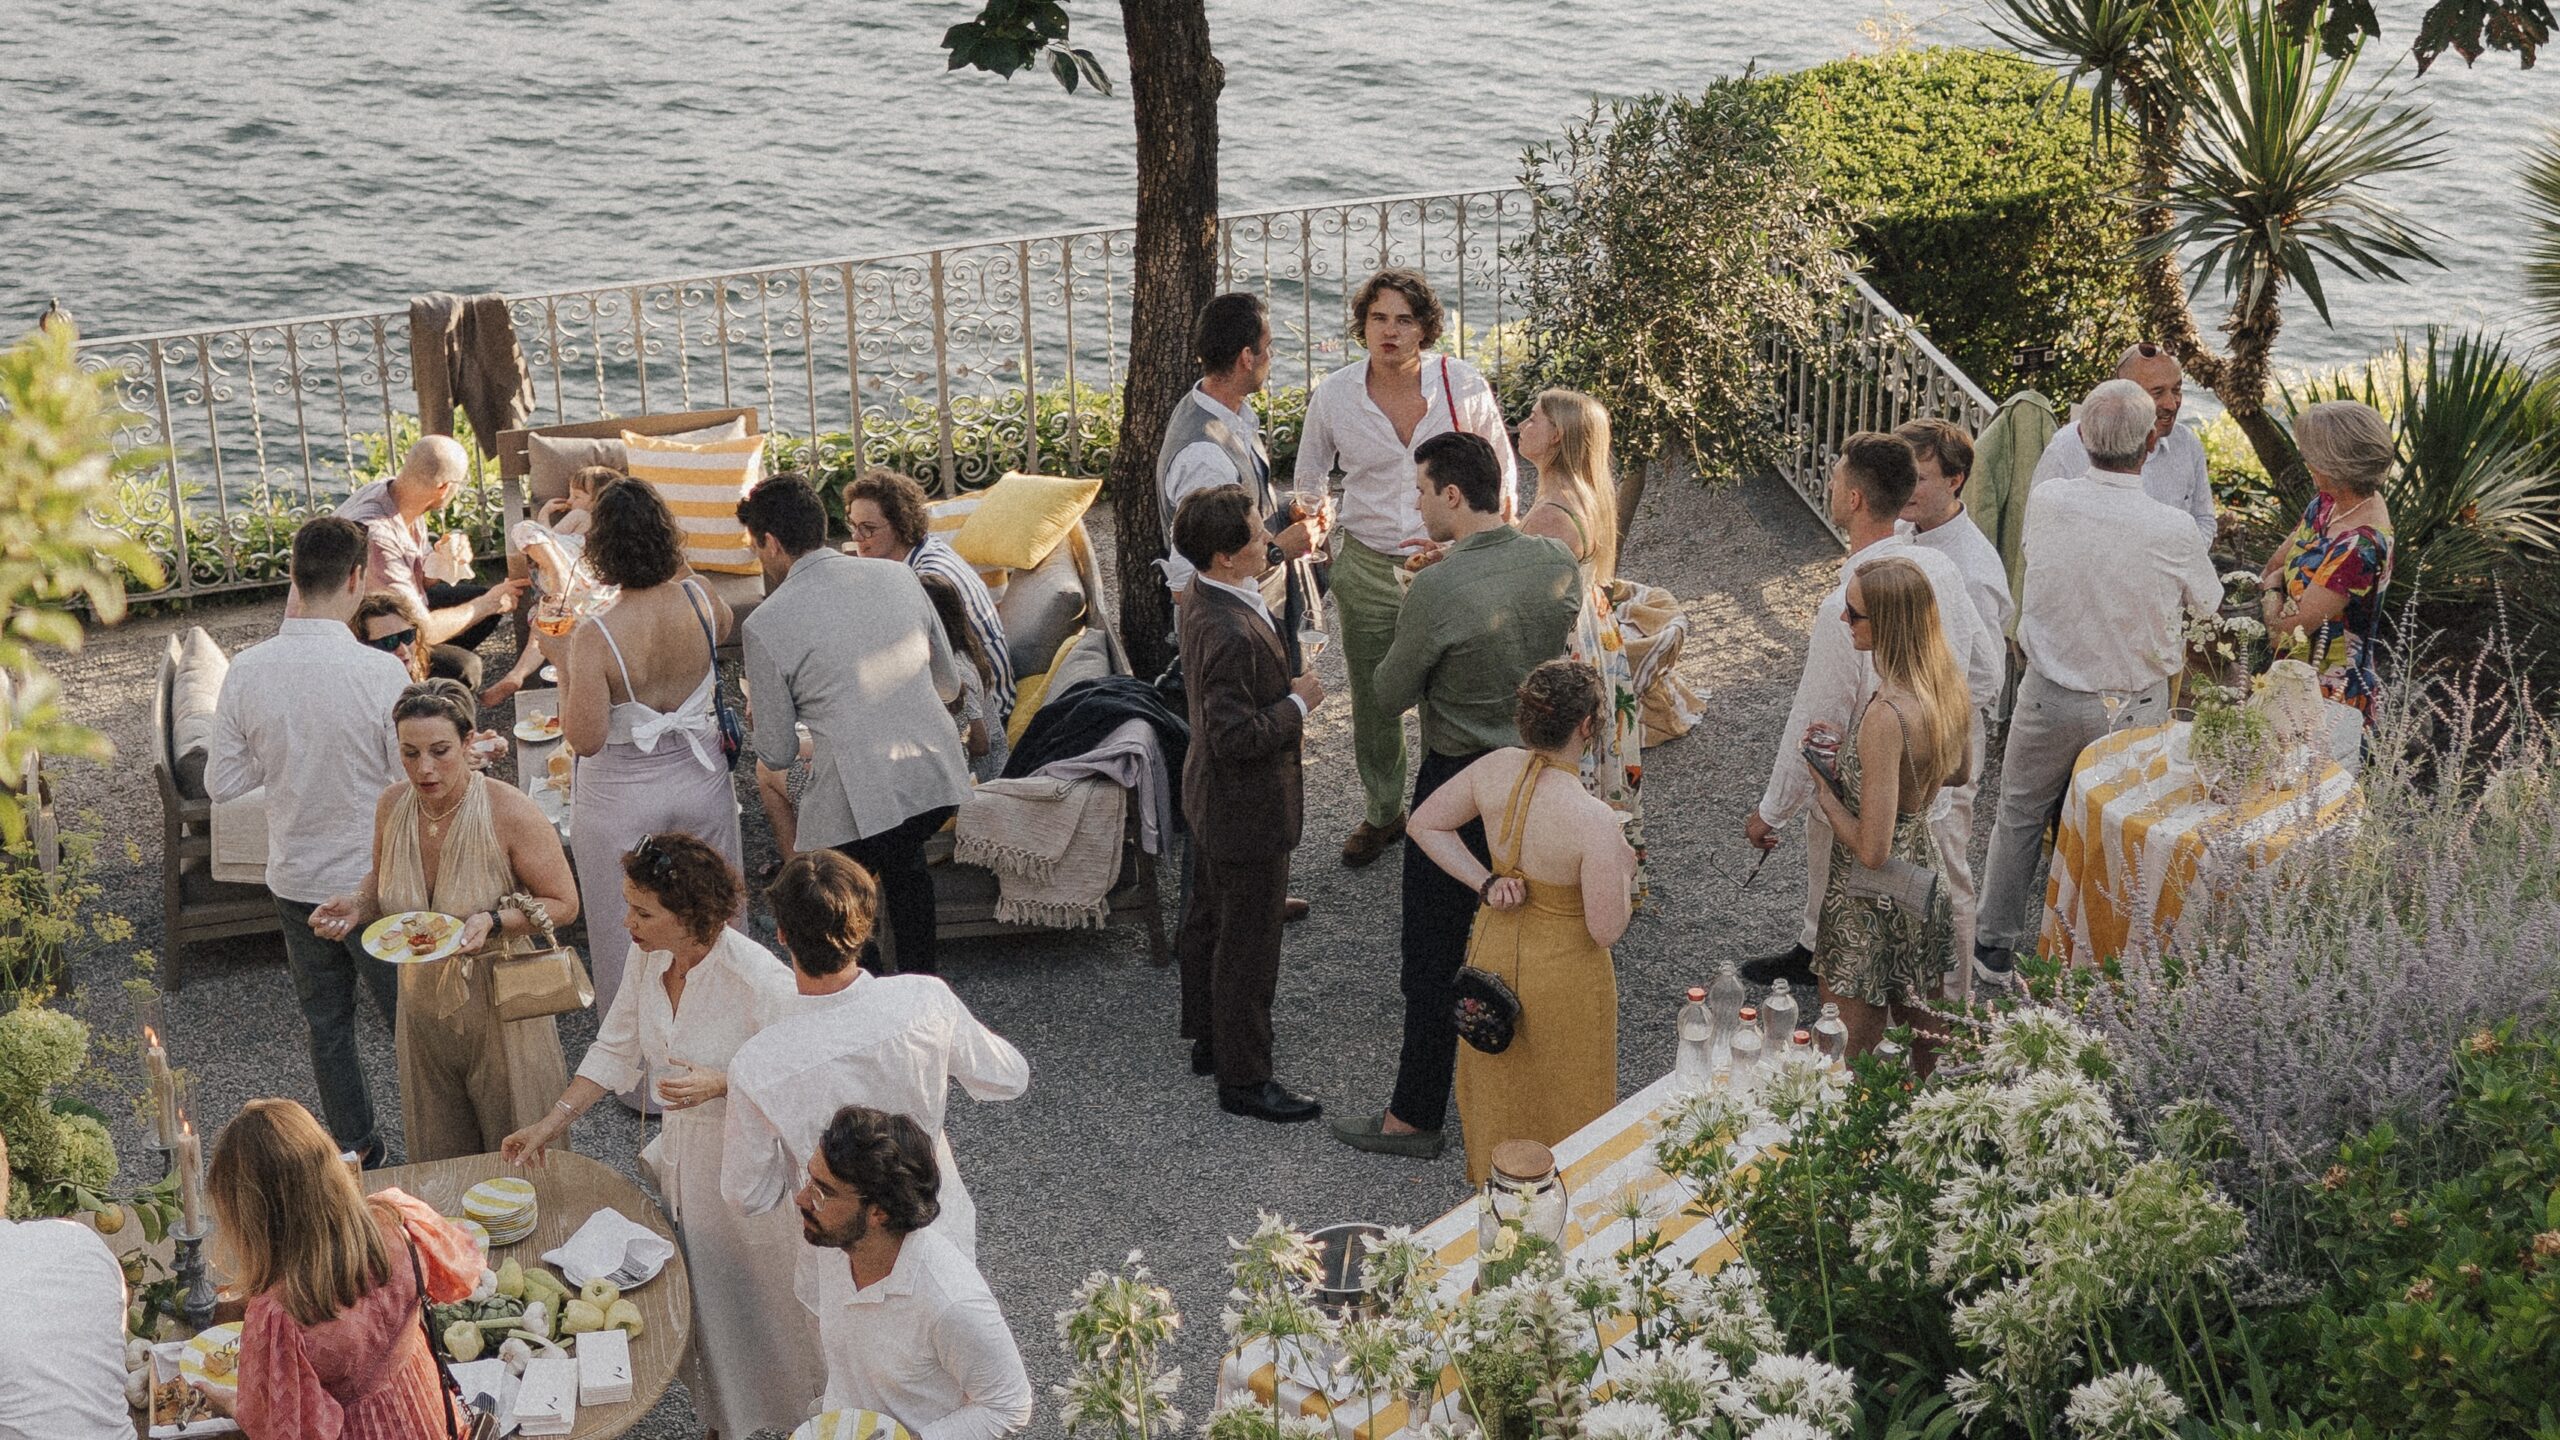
[1294, 911]
[1368, 841]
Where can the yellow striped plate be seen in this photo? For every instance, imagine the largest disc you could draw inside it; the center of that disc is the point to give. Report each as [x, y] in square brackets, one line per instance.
[851, 1425]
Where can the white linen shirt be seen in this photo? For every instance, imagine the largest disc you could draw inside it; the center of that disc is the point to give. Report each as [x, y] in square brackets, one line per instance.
[1203, 465]
[62, 1333]
[893, 1043]
[307, 714]
[2110, 578]
[1986, 576]
[2174, 473]
[1379, 508]
[924, 1344]
[1839, 678]
[735, 991]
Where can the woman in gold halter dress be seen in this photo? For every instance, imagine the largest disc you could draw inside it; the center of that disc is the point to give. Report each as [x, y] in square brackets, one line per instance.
[1557, 897]
[451, 840]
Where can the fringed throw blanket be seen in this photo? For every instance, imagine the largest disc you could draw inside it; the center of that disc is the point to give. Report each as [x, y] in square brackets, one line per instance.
[1053, 844]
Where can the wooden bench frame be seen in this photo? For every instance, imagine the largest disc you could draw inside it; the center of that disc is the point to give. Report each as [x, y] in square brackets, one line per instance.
[186, 841]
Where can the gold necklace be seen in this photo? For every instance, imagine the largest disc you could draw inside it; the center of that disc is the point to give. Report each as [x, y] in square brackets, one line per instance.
[435, 822]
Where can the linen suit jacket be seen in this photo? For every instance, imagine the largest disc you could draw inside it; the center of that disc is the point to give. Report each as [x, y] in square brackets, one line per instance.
[1242, 792]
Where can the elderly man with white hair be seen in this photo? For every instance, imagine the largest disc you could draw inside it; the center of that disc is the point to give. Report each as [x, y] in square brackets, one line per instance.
[393, 512]
[2111, 575]
[2173, 473]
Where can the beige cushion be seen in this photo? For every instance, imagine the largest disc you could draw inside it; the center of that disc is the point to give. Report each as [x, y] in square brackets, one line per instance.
[702, 484]
[1040, 609]
[240, 839]
[553, 459]
[1088, 659]
[192, 696]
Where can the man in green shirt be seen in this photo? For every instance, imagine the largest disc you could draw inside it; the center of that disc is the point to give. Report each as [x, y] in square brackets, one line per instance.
[1492, 605]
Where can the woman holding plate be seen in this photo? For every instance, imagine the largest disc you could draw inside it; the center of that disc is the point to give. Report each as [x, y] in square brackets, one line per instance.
[476, 851]
[693, 991]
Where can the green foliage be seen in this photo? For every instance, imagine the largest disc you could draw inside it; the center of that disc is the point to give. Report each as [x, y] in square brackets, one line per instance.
[1978, 206]
[2276, 181]
[45, 918]
[1673, 238]
[60, 1157]
[1011, 35]
[2542, 226]
[2444, 1316]
[58, 464]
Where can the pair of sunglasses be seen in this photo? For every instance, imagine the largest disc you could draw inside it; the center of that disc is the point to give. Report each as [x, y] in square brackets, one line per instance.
[390, 644]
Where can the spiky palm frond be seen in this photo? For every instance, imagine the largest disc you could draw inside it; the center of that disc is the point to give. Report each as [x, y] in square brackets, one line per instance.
[2542, 230]
[2114, 45]
[2276, 180]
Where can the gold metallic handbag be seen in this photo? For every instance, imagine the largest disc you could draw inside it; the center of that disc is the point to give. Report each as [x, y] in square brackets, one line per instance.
[549, 980]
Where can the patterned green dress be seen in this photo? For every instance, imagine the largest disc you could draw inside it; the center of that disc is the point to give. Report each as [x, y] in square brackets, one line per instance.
[1875, 950]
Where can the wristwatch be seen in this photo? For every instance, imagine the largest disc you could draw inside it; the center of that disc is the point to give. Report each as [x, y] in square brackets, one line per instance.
[1273, 554]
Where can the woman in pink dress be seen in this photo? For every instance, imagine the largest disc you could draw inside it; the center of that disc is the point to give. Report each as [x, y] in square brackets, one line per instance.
[332, 1347]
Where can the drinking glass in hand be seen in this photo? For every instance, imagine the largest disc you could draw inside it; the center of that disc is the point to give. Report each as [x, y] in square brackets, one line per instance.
[555, 615]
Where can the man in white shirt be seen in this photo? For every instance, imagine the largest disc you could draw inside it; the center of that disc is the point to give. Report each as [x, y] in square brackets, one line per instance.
[461, 616]
[891, 1042]
[307, 715]
[2174, 472]
[852, 647]
[2111, 575]
[906, 1322]
[1364, 421]
[1870, 485]
[61, 1332]
[1942, 459]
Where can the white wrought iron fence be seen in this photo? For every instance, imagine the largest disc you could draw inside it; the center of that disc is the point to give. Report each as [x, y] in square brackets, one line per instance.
[954, 364]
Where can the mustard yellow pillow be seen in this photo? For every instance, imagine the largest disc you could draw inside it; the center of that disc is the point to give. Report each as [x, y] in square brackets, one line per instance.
[1028, 695]
[1021, 518]
[702, 484]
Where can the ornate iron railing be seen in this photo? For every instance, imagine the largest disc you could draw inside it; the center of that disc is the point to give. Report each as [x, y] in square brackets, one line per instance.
[954, 364]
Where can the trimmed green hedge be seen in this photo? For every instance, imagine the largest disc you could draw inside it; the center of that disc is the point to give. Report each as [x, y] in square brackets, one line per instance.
[1977, 207]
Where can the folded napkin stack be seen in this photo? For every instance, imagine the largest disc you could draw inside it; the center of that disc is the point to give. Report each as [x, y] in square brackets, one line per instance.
[547, 1400]
[604, 1367]
[611, 1246]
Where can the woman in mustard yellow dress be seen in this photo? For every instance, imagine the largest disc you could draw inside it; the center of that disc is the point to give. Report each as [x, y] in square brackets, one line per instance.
[1556, 898]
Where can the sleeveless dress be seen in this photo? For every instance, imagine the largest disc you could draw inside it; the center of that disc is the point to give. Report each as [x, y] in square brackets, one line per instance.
[1561, 1070]
[466, 1079]
[1875, 950]
[1613, 765]
[2355, 562]
[659, 770]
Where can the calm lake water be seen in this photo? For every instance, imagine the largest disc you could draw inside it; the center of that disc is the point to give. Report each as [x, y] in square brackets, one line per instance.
[186, 161]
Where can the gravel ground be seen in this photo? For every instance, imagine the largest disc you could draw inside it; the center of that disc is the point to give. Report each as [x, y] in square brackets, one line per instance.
[1117, 1146]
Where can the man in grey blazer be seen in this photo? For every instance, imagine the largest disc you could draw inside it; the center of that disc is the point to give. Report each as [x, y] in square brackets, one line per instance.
[851, 647]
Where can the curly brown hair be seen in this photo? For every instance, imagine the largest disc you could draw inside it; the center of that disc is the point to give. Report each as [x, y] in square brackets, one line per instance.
[391, 604]
[634, 542]
[901, 501]
[693, 881]
[888, 1160]
[1554, 701]
[1417, 292]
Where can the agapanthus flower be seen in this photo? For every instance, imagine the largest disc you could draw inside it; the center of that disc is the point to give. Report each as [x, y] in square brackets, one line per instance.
[1726, 1311]
[2130, 1404]
[1799, 1385]
[1684, 1382]
[2041, 1040]
[2059, 1129]
[1624, 1420]
[1948, 1127]
[1790, 1427]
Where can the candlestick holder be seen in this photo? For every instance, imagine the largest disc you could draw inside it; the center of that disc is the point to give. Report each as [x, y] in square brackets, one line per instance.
[197, 1296]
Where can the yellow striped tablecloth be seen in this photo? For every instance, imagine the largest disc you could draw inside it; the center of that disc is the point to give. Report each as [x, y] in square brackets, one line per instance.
[2136, 824]
[1601, 1162]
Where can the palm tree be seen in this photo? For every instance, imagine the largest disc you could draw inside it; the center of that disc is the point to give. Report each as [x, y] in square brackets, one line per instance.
[2254, 165]
[2542, 219]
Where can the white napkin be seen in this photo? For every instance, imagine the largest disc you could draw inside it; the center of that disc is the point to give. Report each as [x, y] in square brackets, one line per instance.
[489, 1380]
[611, 1246]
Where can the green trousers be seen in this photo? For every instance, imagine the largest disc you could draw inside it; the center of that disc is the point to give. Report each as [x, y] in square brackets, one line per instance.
[1369, 588]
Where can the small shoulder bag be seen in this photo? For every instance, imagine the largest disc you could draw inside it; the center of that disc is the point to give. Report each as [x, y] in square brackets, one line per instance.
[550, 980]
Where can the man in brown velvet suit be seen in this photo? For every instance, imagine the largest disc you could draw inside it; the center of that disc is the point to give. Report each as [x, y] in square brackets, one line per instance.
[1241, 798]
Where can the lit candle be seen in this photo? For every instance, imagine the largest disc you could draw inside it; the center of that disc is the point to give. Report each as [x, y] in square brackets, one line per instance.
[190, 1181]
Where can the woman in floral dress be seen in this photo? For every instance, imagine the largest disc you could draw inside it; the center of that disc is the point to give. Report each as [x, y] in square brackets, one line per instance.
[2327, 580]
[1876, 957]
[1566, 435]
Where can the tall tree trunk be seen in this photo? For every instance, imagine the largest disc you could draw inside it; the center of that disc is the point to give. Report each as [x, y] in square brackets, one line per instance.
[1173, 82]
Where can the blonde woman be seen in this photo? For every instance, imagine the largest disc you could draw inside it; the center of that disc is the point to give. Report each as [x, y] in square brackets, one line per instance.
[330, 1343]
[2326, 581]
[1566, 436]
[1875, 958]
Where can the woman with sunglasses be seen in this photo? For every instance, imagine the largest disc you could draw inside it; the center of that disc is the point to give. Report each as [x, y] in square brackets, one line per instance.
[389, 621]
[693, 991]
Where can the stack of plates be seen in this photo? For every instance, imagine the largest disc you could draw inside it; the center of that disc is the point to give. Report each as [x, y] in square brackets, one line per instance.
[478, 1232]
[504, 1207]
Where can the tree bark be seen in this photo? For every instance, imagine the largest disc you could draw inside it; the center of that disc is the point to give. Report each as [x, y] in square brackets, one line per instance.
[1174, 82]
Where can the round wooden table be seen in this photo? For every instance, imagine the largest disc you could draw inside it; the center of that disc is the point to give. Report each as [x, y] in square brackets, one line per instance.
[569, 1189]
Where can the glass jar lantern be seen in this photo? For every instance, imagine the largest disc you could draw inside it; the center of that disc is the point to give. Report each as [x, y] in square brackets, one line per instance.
[1520, 1214]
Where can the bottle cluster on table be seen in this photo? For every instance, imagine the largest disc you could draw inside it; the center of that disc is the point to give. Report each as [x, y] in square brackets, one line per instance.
[1727, 1042]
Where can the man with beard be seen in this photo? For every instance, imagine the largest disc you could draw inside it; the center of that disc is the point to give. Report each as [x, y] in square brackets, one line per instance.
[906, 1322]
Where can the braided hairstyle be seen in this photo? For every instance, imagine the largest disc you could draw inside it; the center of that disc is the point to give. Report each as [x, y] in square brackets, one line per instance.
[447, 700]
[1553, 702]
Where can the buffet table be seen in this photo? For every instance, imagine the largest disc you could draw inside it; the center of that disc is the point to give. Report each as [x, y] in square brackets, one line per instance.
[533, 761]
[2137, 823]
[1600, 1164]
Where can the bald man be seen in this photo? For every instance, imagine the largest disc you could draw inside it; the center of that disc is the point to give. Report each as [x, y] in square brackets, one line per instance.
[2174, 474]
[393, 512]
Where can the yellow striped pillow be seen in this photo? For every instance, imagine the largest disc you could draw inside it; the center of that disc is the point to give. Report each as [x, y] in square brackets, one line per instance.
[702, 484]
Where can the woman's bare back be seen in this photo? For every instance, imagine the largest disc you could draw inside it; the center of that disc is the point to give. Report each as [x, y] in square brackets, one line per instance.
[1565, 823]
[662, 646]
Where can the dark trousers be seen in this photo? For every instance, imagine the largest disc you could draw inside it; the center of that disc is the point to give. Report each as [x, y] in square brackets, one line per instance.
[895, 858]
[1229, 945]
[1439, 913]
[459, 657]
[327, 975]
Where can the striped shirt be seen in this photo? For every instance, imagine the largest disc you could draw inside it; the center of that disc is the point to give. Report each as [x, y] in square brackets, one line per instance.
[936, 557]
